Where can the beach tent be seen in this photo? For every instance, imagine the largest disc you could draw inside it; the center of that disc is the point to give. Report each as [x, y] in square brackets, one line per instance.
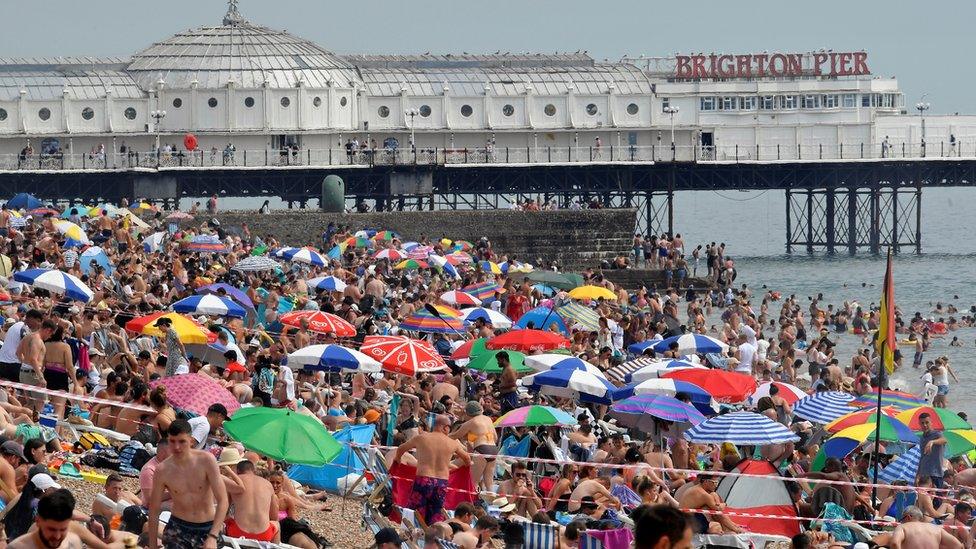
[24, 201]
[759, 496]
[327, 476]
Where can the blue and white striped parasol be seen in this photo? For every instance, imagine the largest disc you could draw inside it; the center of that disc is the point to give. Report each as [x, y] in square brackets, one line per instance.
[700, 398]
[690, 344]
[209, 304]
[584, 385]
[327, 283]
[255, 263]
[903, 467]
[651, 370]
[741, 428]
[823, 407]
[57, 282]
[550, 361]
[307, 256]
[496, 319]
[332, 358]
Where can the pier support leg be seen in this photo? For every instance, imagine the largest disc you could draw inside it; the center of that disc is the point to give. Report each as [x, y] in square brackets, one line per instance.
[789, 223]
[894, 219]
[830, 201]
[852, 220]
[809, 221]
[918, 217]
[875, 221]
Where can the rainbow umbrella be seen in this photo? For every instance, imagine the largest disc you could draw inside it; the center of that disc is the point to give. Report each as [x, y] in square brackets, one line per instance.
[411, 264]
[462, 245]
[846, 441]
[535, 416]
[424, 321]
[385, 236]
[358, 242]
[941, 419]
[638, 412]
[482, 291]
[860, 417]
[896, 399]
[488, 362]
[490, 267]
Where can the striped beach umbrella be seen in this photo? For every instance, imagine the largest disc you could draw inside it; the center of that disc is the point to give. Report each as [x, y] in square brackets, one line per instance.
[255, 263]
[410, 264]
[576, 314]
[459, 257]
[420, 252]
[641, 346]
[332, 358]
[483, 290]
[441, 263]
[496, 319]
[622, 372]
[700, 398]
[326, 283]
[307, 256]
[425, 321]
[741, 428]
[284, 253]
[638, 412]
[205, 243]
[459, 298]
[535, 416]
[903, 467]
[320, 322]
[790, 393]
[581, 385]
[823, 407]
[896, 399]
[57, 282]
[389, 254]
[941, 419]
[653, 369]
[209, 304]
[403, 355]
[549, 361]
[690, 344]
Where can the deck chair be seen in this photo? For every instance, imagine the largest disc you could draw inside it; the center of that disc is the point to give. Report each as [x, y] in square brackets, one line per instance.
[243, 543]
[541, 536]
[374, 522]
[445, 544]
[75, 430]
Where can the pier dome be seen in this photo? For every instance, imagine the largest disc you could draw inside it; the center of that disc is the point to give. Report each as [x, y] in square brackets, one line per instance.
[239, 52]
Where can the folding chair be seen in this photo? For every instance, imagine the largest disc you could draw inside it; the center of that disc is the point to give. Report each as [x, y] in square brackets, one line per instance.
[243, 543]
[444, 544]
[541, 536]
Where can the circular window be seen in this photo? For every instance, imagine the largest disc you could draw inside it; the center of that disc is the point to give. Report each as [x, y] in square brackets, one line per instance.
[177, 103]
[44, 113]
[466, 110]
[212, 102]
[285, 102]
[383, 111]
[508, 110]
[550, 110]
[425, 110]
[591, 109]
[317, 102]
[130, 113]
[3, 114]
[87, 113]
[249, 102]
[632, 109]
[343, 101]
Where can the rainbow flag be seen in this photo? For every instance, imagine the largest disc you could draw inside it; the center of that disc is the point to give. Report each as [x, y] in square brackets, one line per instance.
[886, 343]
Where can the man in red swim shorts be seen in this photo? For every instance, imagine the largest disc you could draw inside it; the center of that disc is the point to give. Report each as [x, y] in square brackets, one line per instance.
[255, 508]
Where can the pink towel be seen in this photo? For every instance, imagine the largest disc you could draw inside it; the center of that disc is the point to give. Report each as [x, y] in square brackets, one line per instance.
[621, 538]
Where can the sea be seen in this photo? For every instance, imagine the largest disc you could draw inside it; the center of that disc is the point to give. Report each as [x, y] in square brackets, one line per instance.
[753, 226]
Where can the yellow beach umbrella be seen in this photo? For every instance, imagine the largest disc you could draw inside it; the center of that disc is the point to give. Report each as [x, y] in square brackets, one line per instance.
[591, 292]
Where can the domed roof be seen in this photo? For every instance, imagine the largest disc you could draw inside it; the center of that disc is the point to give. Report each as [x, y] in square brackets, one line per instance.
[239, 51]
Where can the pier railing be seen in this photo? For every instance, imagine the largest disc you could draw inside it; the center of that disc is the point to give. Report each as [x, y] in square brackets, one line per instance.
[460, 156]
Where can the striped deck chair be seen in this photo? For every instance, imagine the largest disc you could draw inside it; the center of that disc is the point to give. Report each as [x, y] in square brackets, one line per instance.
[541, 536]
[372, 523]
[445, 544]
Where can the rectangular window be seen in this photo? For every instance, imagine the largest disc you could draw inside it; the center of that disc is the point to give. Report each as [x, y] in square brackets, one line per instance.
[665, 103]
[811, 102]
[866, 100]
[789, 101]
[887, 100]
[767, 103]
[728, 104]
[830, 101]
[850, 100]
[875, 99]
[708, 103]
[747, 103]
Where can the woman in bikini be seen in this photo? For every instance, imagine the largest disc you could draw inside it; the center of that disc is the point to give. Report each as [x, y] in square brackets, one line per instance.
[165, 414]
[293, 532]
[59, 368]
[478, 434]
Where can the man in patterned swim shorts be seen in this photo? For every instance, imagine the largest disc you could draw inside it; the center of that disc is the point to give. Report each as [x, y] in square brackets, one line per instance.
[435, 451]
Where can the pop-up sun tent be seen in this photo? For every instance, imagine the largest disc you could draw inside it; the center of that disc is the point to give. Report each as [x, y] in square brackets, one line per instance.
[759, 496]
[327, 476]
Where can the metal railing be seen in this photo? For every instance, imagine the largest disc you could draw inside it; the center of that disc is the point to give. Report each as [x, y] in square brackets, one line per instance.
[484, 155]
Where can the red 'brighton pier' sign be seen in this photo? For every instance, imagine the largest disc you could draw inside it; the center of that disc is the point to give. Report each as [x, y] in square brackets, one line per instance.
[771, 64]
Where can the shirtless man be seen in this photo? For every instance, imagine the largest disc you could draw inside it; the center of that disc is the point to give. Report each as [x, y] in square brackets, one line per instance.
[833, 470]
[116, 493]
[193, 481]
[478, 434]
[913, 533]
[30, 352]
[958, 524]
[53, 520]
[435, 452]
[702, 496]
[507, 390]
[590, 485]
[255, 507]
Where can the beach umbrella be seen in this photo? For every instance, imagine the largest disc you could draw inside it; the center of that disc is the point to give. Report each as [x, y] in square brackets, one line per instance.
[358, 242]
[307, 256]
[462, 245]
[187, 329]
[691, 344]
[545, 290]
[637, 412]
[284, 253]
[43, 211]
[528, 341]
[96, 255]
[205, 243]
[483, 290]
[859, 417]
[621, 373]
[469, 349]
[144, 207]
[940, 418]
[410, 264]
[365, 233]
[196, 392]
[58, 282]
[904, 467]
[283, 434]
[441, 263]
[256, 263]
[543, 318]
[592, 292]
[326, 283]
[741, 429]
[209, 304]
[389, 254]
[72, 232]
[575, 314]
[581, 385]
[724, 386]
[24, 201]
[409, 245]
[423, 320]
[236, 294]
[403, 355]
[823, 407]
[459, 298]
[153, 242]
[319, 322]
[653, 369]
[846, 441]
[896, 399]
[332, 358]
[488, 362]
[535, 416]
[490, 267]
[459, 257]
[700, 399]
[420, 252]
[385, 236]
[563, 281]
[81, 211]
[790, 393]
[496, 319]
[548, 361]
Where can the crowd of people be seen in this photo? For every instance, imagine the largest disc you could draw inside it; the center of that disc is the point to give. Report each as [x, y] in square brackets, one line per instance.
[646, 486]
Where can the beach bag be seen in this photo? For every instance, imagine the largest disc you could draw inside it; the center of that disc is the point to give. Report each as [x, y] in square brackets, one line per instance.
[106, 458]
[840, 532]
[89, 441]
[132, 457]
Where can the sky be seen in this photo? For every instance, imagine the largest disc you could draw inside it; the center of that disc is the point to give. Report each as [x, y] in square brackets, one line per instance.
[924, 45]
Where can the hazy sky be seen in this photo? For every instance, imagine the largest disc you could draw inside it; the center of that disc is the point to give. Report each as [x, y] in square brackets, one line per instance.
[924, 45]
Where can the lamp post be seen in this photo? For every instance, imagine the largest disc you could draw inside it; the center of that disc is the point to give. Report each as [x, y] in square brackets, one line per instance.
[921, 107]
[158, 116]
[671, 111]
[412, 113]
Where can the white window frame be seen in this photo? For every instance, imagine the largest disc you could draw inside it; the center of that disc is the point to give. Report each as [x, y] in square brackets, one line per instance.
[728, 103]
[767, 102]
[747, 102]
[707, 103]
[830, 101]
[849, 100]
[665, 103]
[789, 102]
[810, 101]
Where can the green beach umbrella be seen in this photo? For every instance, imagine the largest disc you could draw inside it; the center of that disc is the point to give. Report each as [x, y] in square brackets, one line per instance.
[284, 435]
[487, 362]
[563, 281]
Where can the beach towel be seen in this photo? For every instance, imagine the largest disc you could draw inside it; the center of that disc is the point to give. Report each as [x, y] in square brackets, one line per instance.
[620, 538]
[460, 488]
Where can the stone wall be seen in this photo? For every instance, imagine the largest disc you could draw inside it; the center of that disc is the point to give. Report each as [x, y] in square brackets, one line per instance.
[575, 239]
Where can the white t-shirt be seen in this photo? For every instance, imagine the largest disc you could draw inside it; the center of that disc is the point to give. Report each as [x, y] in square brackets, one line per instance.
[288, 378]
[16, 333]
[749, 333]
[747, 353]
[200, 430]
[762, 347]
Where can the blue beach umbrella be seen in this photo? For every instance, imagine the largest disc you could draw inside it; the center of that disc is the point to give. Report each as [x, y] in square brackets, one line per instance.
[96, 255]
[582, 385]
[823, 407]
[24, 201]
[236, 294]
[653, 369]
[326, 283]
[543, 318]
[209, 304]
[903, 467]
[496, 319]
[690, 344]
[700, 398]
[741, 428]
[333, 358]
[57, 282]
[639, 411]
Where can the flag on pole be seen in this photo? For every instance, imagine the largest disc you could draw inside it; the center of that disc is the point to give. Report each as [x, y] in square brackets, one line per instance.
[886, 342]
